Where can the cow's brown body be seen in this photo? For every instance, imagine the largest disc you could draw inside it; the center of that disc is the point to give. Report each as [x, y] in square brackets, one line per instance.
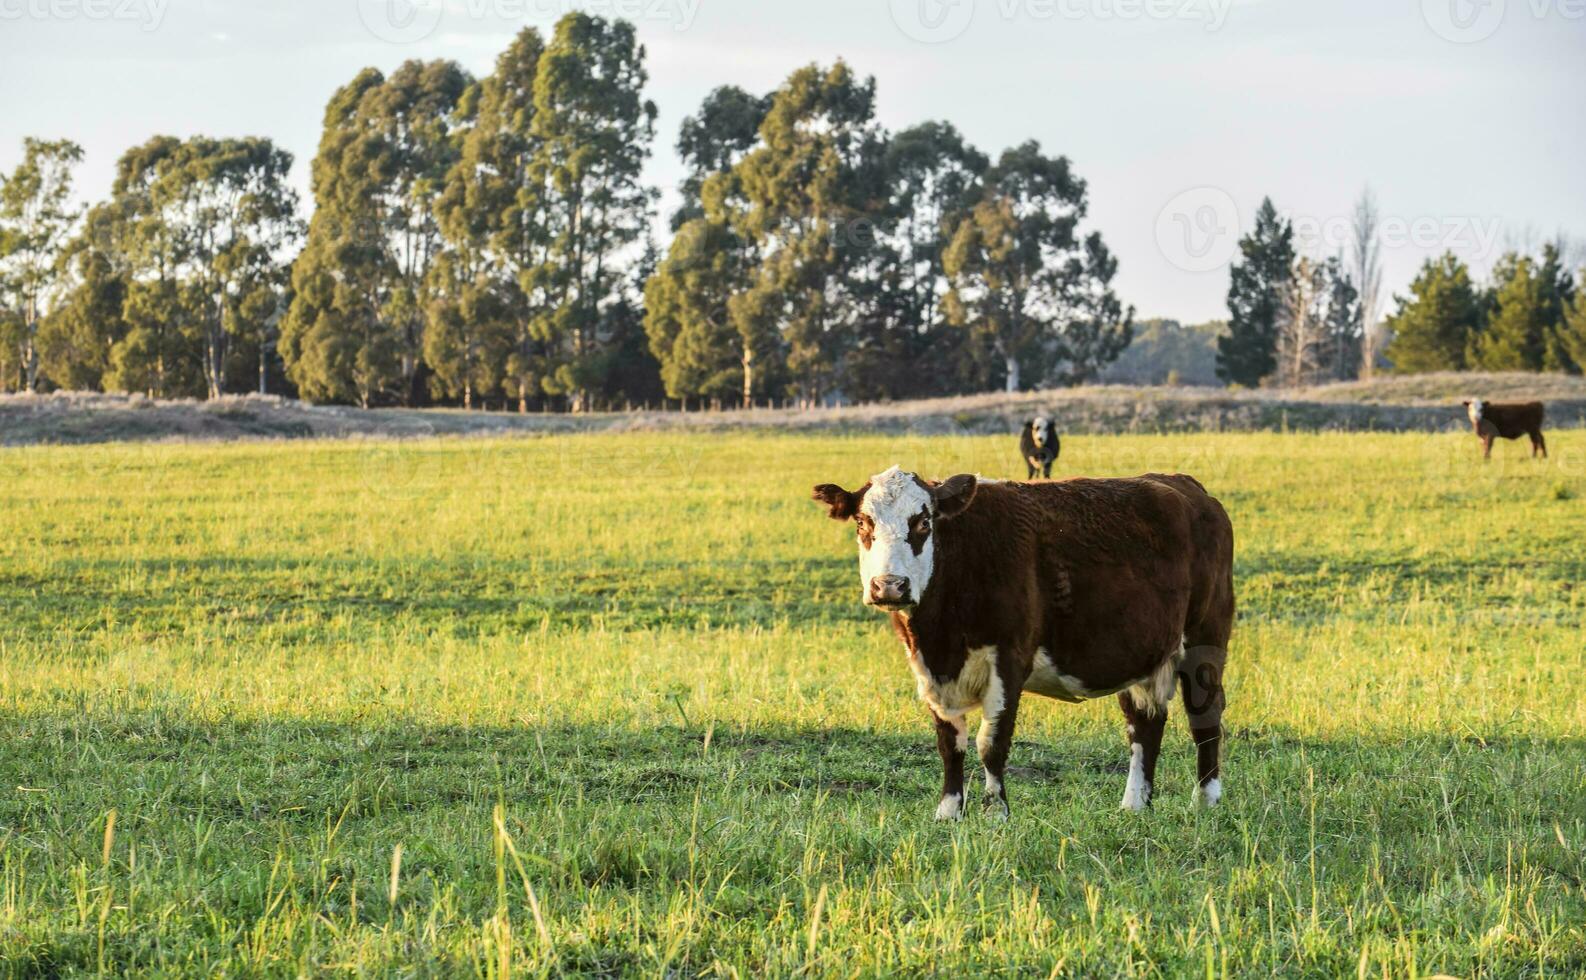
[1076, 589]
[1495, 421]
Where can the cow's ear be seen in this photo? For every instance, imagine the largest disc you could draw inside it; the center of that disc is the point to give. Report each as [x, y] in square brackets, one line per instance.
[954, 494]
[840, 504]
[1466, 403]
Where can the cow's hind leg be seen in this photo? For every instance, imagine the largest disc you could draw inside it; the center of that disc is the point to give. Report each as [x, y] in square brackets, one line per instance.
[952, 740]
[1538, 445]
[1146, 719]
[1201, 685]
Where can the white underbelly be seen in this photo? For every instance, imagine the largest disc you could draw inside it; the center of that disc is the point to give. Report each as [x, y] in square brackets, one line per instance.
[1046, 680]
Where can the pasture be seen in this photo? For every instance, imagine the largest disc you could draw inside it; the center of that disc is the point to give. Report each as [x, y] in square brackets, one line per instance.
[609, 704]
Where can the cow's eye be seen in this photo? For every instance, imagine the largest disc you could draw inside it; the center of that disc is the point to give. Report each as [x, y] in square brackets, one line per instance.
[922, 525]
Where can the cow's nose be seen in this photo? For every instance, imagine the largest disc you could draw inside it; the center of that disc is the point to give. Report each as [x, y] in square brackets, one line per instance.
[889, 589]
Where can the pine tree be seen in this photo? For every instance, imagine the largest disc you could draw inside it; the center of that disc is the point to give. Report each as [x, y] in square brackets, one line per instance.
[1571, 334]
[1433, 326]
[1247, 353]
[1558, 293]
[1516, 335]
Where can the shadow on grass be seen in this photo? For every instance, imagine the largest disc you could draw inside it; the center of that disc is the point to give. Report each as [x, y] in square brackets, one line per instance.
[296, 769]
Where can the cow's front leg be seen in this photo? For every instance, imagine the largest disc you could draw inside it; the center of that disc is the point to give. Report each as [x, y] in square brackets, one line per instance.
[952, 739]
[1001, 706]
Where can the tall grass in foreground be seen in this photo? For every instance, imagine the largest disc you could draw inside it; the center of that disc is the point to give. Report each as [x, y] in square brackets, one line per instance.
[609, 705]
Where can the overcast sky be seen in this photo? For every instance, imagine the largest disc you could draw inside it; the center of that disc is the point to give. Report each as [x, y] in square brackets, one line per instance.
[1466, 117]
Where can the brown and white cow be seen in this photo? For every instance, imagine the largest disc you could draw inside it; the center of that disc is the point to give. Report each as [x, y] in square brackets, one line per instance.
[1072, 590]
[1040, 446]
[1492, 421]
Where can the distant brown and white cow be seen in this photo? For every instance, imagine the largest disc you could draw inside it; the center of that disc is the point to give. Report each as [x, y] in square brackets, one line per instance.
[1040, 446]
[1492, 421]
[1072, 590]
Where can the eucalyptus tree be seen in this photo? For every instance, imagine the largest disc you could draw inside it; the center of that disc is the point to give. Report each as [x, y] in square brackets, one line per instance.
[155, 355]
[702, 348]
[1026, 284]
[809, 189]
[593, 131]
[77, 339]
[713, 140]
[354, 331]
[905, 346]
[692, 333]
[492, 213]
[36, 220]
[336, 344]
[235, 217]
[413, 113]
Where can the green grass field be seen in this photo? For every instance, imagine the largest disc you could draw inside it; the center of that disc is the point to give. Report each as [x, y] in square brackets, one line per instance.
[609, 705]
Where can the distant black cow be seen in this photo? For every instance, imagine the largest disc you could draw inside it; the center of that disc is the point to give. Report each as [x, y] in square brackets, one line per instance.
[1039, 446]
[1493, 421]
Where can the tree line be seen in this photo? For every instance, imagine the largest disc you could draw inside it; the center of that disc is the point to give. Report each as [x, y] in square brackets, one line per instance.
[488, 241]
[1295, 320]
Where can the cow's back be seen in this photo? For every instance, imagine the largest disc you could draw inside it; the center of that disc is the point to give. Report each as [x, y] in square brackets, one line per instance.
[1514, 420]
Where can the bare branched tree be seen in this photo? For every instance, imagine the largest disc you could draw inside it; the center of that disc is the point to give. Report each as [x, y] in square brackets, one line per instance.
[1302, 327]
[1366, 271]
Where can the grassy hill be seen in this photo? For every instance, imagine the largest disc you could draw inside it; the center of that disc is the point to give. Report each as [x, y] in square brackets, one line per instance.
[1422, 403]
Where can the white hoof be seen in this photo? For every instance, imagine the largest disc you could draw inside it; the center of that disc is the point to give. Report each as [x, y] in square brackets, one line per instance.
[1136, 798]
[951, 807]
[1210, 794]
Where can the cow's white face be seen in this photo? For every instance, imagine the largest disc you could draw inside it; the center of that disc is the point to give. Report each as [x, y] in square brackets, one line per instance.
[897, 551]
[1039, 430]
[1474, 407]
[895, 516]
